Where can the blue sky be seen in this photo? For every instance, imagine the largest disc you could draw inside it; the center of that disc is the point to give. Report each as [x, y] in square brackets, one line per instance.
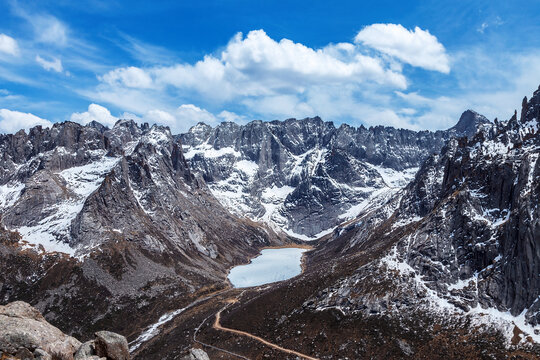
[416, 64]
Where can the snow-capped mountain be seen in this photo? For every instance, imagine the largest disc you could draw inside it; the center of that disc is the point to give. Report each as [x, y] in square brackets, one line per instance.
[463, 238]
[115, 213]
[307, 176]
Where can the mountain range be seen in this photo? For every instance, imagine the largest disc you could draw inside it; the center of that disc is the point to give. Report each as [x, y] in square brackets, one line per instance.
[425, 244]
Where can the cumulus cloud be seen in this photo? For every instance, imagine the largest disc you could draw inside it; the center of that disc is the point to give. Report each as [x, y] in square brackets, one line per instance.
[257, 65]
[177, 119]
[259, 54]
[8, 45]
[95, 112]
[231, 116]
[54, 64]
[272, 79]
[13, 121]
[130, 76]
[415, 47]
[189, 113]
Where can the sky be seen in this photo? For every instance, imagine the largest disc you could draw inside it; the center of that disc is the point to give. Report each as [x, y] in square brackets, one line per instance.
[407, 64]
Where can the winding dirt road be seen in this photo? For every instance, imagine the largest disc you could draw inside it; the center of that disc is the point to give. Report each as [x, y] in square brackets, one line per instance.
[217, 326]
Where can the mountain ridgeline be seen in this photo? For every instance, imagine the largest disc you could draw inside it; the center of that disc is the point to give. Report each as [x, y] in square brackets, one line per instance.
[449, 267]
[307, 176]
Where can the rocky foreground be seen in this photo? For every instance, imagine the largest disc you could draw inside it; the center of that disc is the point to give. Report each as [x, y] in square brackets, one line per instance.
[26, 335]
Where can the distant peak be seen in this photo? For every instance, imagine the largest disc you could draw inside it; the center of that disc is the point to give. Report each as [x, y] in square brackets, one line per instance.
[125, 122]
[97, 125]
[200, 127]
[469, 121]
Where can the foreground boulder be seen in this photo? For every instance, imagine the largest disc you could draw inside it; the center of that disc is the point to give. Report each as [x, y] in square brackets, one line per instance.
[25, 334]
[196, 354]
[111, 345]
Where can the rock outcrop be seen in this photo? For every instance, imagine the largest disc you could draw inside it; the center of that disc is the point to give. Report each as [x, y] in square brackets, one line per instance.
[26, 335]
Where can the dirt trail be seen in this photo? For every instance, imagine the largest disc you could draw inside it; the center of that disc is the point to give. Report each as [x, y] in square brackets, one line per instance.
[217, 326]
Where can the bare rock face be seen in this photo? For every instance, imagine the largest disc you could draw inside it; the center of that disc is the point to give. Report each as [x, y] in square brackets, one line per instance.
[87, 351]
[111, 345]
[23, 327]
[463, 237]
[40, 354]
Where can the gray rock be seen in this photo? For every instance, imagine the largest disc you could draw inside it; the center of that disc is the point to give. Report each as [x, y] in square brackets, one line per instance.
[467, 226]
[24, 354]
[24, 327]
[85, 351]
[196, 354]
[327, 170]
[111, 345]
[40, 354]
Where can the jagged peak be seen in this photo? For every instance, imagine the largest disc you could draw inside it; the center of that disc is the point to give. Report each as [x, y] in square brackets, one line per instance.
[199, 127]
[125, 123]
[469, 122]
[97, 125]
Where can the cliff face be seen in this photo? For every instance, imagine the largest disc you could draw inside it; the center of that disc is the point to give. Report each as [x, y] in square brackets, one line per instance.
[307, 176]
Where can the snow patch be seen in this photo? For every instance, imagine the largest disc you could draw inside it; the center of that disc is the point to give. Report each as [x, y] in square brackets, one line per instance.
[309, 238]
[10, 193]
[394, 178]
[153, 329]
[208, 151]
[53, 231]
[250, 168]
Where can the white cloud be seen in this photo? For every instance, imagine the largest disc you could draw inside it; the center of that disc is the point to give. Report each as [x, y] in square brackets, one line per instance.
[259, 54]
[49, 29]
[280, 106]
[257, 65]
[8, 45]
[482, 27]
[181, 118]
[231, 117]
[159, 117]
[178, 120]
[54, 64]
[267, 77]
[130, 76]
[95, 112]
[13, 121]
[415, 47]
[188, 115]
